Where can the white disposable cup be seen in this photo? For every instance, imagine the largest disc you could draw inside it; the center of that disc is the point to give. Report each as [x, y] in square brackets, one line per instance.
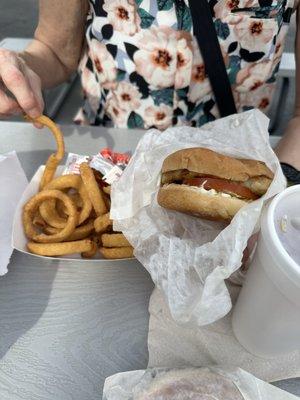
[266, 318]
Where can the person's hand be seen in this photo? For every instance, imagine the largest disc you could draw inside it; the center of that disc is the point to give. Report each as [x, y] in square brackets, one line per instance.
[20, 87]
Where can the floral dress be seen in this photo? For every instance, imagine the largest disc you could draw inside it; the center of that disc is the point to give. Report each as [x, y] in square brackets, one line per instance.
[142, 67]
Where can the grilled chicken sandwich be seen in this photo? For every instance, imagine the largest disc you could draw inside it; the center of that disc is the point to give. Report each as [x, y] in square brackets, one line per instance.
[210, 185]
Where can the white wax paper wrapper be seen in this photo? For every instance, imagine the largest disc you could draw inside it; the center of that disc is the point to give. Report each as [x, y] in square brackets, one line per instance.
[217, 383]
[12, 182]
[171, 344]
[190, 258]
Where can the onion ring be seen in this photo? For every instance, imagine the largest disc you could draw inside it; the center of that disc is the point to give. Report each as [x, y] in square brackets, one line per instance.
[107, 190]
[81, 232]
[117, 252]
[50, 215]
[95, 194]
[60, 249]
[107, 201]
[48, 210]
[102, 223]
[77, 200]
[54, 159]
[114, 240]
[33, 204]
[93, 251]
[60, 208]
[38, 221]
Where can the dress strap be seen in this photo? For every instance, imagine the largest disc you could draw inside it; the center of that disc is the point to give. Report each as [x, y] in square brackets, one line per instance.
[205, 33]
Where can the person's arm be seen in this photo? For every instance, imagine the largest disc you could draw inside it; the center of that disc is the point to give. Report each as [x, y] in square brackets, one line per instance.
[49, 60]
[289, 146]
[297, 57]
[56, 49]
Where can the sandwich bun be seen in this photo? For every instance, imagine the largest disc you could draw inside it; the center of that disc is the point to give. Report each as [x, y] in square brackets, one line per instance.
[207, 162]
[191, 201]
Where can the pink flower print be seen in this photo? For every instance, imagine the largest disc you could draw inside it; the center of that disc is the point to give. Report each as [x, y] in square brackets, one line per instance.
[255, 34]
[252, 77]
[91, 88]
[184, 61]
[104, 64]
[199, 82]
[156, 59]
[127, 96]
[158, 116]
[122, 15]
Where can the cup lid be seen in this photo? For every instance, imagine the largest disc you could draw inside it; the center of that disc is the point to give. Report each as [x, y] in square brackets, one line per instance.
[284, 218]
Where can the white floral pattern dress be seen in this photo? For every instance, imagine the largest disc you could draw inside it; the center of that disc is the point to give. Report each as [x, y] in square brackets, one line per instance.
[143, 68]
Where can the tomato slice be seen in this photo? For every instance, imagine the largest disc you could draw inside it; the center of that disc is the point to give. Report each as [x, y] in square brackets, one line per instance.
[222, 185]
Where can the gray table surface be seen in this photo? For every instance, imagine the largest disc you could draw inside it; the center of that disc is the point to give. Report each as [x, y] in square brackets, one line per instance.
[66, 326]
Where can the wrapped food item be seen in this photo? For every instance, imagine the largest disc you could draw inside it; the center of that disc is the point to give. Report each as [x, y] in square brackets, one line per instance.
[213, 383]
[190, 258]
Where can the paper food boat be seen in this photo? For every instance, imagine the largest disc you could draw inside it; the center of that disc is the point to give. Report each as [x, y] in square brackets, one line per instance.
[19, 240]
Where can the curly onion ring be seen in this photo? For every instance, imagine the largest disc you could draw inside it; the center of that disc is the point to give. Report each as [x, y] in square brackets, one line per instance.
[116, 252]
[77, 201]
[95, 193]
[114, 240]
[61, 249]
[102, 223]
[38, 221]
[54, 159]
[81, 232]
[107, 190]
[48, 210]
[33, 204]
[92, 252]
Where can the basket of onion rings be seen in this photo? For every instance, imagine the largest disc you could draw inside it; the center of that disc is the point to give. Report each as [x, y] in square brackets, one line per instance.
[65, 210]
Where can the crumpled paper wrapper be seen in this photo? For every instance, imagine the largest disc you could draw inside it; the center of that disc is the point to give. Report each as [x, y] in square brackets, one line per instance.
[171, 344]
[189, 259]
[13, 182]
[137, 385]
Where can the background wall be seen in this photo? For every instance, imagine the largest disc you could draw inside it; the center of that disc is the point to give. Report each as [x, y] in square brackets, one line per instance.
[18, 18]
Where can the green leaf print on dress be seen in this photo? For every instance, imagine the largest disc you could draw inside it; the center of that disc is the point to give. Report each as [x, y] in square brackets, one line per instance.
[183, 16]
[234, 68]
[165, 5]
[222, 29]
[163, 96]
[146, 18]
[135, 121]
